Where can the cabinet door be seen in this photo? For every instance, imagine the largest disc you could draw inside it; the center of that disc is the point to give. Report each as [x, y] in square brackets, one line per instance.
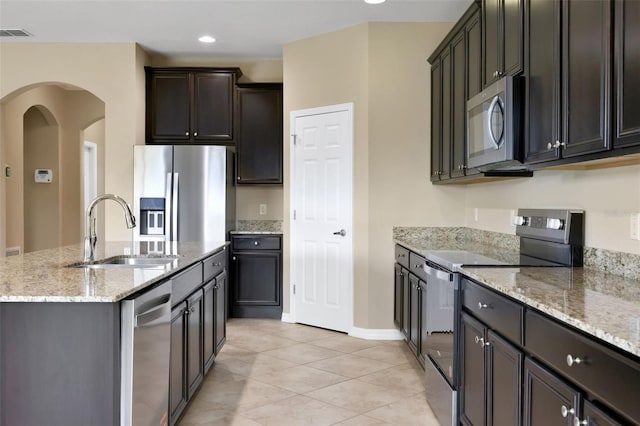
[445, 163]
[422, 347]
[168, 106]
[257, 284]
[259, 139]
[492, 27]
[458, 104]
[220, 324]
[177, 388]
[195, 365]
[398, 282]
[406, 304]
[593, 416]
[212, 117]
[474, 57]
[547, 399]
[504, 378]
[436, 119]
[472, 372]
[414, 315]
[585, 76]
[512, 36]
[542, 84]
[626, 72]
[209, 317]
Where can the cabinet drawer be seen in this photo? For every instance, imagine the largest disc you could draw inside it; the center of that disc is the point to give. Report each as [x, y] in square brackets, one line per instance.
[416, 263]
[255, 242]
[603, 373]
[498, 312]
[185, 283]
[402, 256]
[213, 265]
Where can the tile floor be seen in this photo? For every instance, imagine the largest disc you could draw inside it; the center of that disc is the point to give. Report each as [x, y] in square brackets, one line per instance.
[275, 373]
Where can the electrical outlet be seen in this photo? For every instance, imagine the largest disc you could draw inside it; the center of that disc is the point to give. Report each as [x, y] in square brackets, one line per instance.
[263, 209]
[634, 226]
[475, 214]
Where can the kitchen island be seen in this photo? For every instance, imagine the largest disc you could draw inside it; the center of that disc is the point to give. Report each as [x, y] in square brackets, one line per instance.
[65, 346]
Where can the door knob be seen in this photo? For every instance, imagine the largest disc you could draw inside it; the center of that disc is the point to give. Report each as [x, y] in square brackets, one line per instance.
[341, 232]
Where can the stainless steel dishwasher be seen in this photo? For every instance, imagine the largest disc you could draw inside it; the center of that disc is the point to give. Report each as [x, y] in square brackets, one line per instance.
[145, 349]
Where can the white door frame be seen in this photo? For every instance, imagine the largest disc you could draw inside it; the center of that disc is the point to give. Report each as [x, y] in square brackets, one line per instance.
[348, 107]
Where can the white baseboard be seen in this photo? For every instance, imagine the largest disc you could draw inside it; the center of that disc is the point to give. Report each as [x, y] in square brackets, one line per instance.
[376, 334]
[287, 317]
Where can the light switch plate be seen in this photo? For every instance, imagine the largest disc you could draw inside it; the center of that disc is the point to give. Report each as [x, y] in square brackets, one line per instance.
[263, 209]
[634, 226]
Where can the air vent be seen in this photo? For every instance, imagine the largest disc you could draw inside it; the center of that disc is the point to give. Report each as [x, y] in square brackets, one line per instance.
[14, 33]
[12, 251]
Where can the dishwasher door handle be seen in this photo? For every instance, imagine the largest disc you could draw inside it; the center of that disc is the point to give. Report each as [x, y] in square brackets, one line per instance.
[157, 311]
[437, 273]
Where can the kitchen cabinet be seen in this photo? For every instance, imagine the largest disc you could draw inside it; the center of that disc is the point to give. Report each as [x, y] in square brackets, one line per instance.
[402, 310]
[455, 77]
[220, 322]
[568, 79]
[626, 103]
[259, 139]
[208, 325]
[398, 291]
[177, 391]
[414, 316]
[256, 276]
[190, 105]
[491, 361]
[195, 364]
[214, 307]
[502, 30]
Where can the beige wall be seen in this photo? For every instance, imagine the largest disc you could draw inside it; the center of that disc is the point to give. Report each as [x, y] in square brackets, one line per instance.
[382, 68]
[608, 196]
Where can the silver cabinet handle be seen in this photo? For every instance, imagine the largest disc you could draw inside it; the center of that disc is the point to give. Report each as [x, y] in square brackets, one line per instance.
[195, 133]
[480, 341]
[578, 422]
[402, 255]
[186, 133]
[566, 411]
[239, 178]
[341, 232]
[482, 305]
[571, 360]
[555, 145]
[255, 243]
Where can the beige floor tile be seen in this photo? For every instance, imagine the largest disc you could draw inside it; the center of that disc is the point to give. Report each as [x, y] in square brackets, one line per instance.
[403, 376]
[263, 342]
[344, 343]
[409, 411]
[302, 353]
[237, 396]
[236, 420]
[363, 420]
[303, 333]
[391, 354]
[358, 396]
[300, 379]
[299, 410]
[349, 365]
[254, 363]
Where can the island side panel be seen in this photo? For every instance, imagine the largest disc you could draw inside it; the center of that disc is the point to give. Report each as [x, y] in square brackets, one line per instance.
[59, 364]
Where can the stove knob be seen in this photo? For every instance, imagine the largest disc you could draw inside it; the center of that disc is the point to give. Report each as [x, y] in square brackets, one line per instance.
[555, 223]
[521, 221]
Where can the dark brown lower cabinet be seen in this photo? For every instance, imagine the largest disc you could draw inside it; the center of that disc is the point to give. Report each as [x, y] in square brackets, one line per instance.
[398, 284]
[177, 389]
[594, 416]
[195, 370]
[406, 304]
[220, 303]
[490, 377]
[208, 326]
[414, 315]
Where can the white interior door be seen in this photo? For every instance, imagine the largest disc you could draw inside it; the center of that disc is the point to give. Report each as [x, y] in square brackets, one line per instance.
[322, 238]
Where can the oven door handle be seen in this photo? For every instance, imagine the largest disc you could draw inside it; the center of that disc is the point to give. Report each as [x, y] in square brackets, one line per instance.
[437, 273]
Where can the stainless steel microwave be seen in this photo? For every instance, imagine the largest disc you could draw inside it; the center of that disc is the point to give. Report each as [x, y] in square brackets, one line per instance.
[494, 117]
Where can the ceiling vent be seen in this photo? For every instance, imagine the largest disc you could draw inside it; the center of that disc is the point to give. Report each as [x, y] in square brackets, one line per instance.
[14, 33]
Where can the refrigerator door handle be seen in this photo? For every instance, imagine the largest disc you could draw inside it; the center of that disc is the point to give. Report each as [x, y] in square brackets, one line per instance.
[174, 208]
[169, 212]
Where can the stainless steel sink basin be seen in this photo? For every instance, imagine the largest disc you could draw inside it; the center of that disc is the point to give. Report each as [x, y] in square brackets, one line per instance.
[127, 262]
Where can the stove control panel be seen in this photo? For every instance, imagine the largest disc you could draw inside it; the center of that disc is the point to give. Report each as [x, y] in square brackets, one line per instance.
[563, 226]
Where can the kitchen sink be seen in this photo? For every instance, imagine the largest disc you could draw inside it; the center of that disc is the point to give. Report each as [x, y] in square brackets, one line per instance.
[127, 262]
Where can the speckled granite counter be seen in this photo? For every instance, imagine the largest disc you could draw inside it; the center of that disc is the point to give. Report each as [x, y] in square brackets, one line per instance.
[258, 227]
[255, 233]
[599, 303]
[604, 305]
[42, 276]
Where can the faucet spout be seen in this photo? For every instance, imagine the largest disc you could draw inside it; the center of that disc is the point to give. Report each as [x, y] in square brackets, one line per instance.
[90, 237]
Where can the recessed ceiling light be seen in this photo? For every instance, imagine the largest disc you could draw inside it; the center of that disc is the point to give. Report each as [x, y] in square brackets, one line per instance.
[374, 1]
[207, 39]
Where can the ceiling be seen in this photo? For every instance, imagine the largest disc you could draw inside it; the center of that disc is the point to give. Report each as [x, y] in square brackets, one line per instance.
[243, 28]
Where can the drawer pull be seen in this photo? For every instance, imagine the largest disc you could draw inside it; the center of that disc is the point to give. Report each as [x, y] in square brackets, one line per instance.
[571, 360]
[566, 411]
[578, 422]
[483, 305]
[402, 255]
[255, 243]
[481, 342]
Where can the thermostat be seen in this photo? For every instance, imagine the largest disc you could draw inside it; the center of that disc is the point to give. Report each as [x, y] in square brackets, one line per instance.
[43, 176]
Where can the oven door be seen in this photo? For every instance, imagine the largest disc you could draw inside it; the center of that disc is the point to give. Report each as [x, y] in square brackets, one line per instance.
[438, 343]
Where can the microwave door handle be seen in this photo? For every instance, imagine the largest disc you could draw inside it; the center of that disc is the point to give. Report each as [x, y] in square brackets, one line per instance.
[494, 103]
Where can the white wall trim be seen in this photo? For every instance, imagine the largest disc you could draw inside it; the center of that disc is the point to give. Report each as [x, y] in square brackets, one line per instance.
[376, 334]
[287, 317]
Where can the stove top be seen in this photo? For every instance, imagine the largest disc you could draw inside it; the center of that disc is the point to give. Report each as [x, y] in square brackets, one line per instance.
[454, 259]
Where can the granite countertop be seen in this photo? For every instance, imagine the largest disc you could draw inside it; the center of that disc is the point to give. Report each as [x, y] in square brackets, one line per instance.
[43, 276]
[255, 233]
[604, 305]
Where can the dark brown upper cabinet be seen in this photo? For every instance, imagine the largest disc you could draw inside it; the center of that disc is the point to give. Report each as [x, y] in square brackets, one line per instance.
[259, 139]
[502, 30]
[190, 105]
[436, 118]
[626, 106]
[567, 64]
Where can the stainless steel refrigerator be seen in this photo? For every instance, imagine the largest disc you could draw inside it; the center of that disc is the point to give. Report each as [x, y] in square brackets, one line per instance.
[183, 193]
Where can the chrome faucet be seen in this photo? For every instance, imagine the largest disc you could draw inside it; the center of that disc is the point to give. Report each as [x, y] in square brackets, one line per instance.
[90, 237]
